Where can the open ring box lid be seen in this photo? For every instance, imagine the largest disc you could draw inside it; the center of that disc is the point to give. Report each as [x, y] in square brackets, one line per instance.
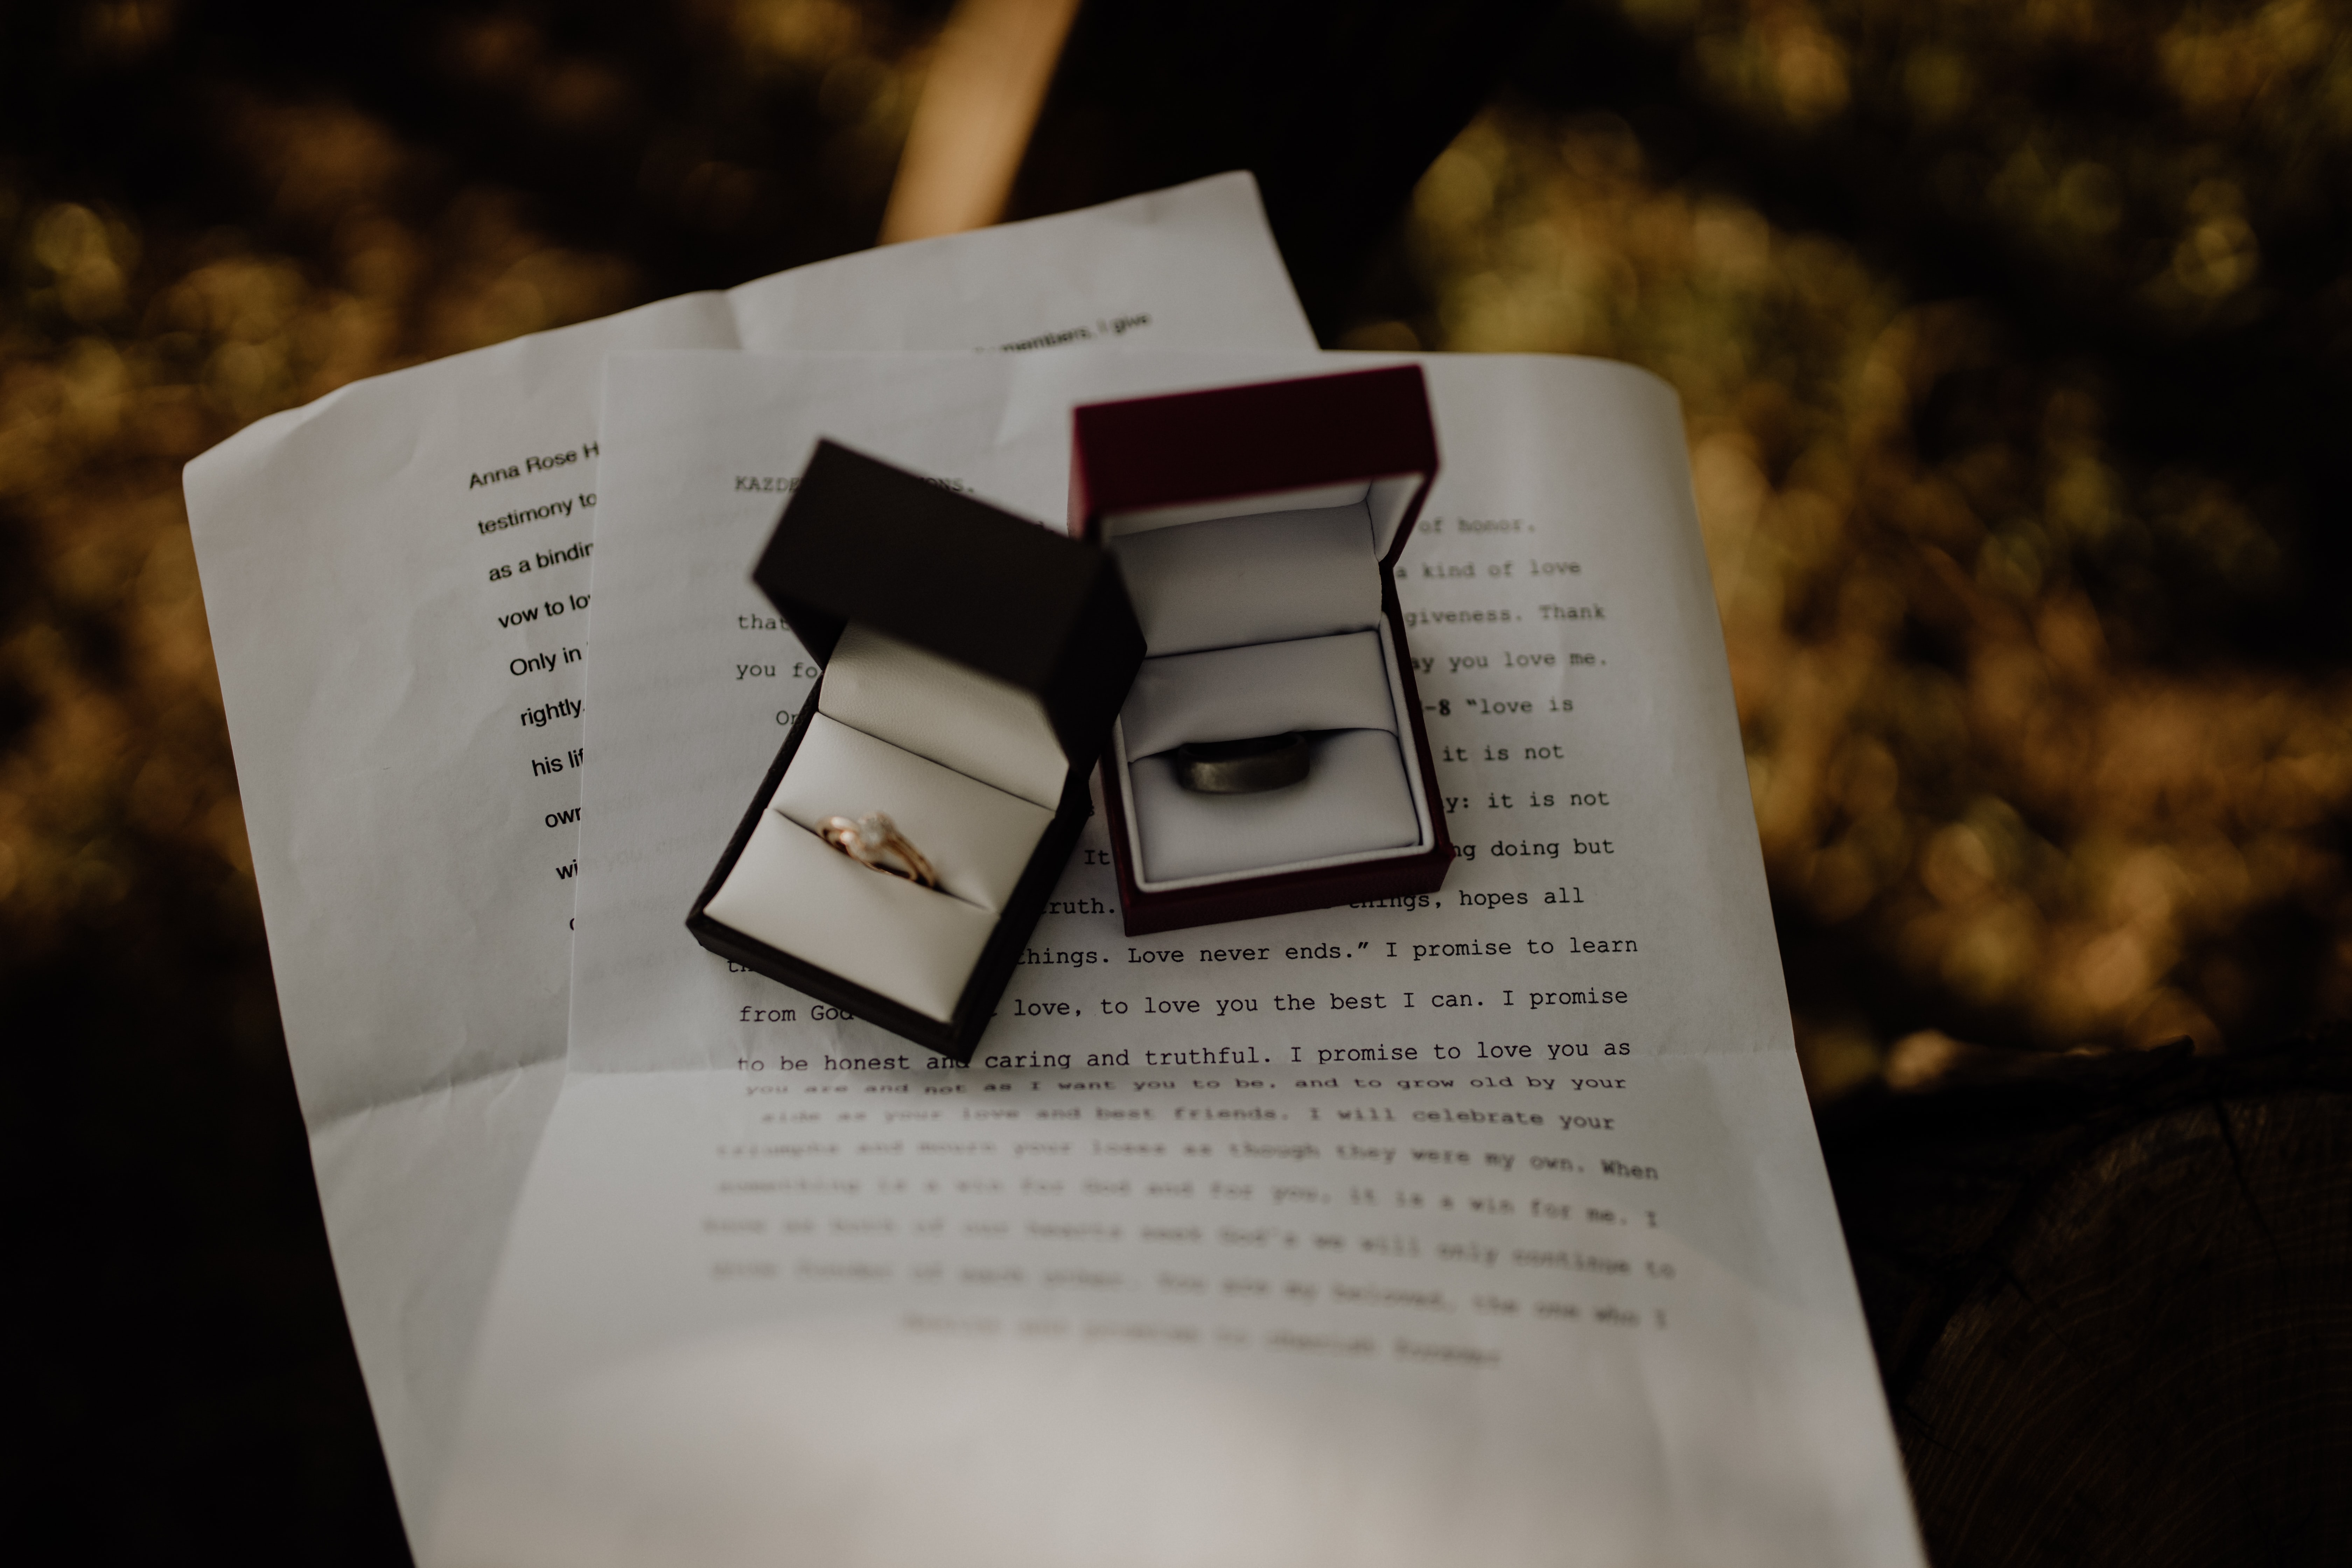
[1257, 529]
[973, 664]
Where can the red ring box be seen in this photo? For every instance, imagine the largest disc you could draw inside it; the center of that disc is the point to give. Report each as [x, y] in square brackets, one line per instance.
[1229, 512]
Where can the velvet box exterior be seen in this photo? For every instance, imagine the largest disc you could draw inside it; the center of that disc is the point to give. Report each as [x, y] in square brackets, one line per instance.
[1297, 443]
[1032, 615]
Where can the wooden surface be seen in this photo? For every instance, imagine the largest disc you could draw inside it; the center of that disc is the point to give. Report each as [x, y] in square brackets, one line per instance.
[2112, 1298]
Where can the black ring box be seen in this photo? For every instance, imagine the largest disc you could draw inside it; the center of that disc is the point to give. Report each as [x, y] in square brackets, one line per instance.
[862, 541]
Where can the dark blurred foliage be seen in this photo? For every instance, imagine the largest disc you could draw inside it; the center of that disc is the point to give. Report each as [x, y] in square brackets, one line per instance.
[2013, 340]
[2150, 197]
[703, 142]
[208, 213]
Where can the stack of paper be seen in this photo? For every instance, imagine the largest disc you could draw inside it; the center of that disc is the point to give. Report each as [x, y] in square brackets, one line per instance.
[1491, 1229]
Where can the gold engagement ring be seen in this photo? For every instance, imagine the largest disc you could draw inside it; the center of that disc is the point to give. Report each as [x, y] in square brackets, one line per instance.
[875, 840]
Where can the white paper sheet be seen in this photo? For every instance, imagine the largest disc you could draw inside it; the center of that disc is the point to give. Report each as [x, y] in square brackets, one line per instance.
[1484, 1228]
[397, 581]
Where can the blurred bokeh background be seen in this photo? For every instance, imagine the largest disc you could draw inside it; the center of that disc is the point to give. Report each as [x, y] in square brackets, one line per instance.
[2013, 341]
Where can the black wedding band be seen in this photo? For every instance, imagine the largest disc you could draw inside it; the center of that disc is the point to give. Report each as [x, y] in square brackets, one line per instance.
[1241, 767]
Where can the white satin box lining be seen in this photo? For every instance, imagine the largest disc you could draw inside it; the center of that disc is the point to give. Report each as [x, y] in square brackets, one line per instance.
[1382, 500]
[1235, 580]
[1259, 624]
[1361, 799]
[950, 713]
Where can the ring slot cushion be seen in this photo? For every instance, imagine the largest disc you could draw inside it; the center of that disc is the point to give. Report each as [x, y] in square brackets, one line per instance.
[1354, 798]
[973, 664]
[977, 837]
[1337, 682]
[792, 891]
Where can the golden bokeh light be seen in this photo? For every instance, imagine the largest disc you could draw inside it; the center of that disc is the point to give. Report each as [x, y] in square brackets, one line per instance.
[123, 353]
[2046, 839]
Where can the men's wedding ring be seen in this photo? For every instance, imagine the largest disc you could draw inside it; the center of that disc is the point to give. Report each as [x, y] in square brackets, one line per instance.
[875, 840]
[1241, 767]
